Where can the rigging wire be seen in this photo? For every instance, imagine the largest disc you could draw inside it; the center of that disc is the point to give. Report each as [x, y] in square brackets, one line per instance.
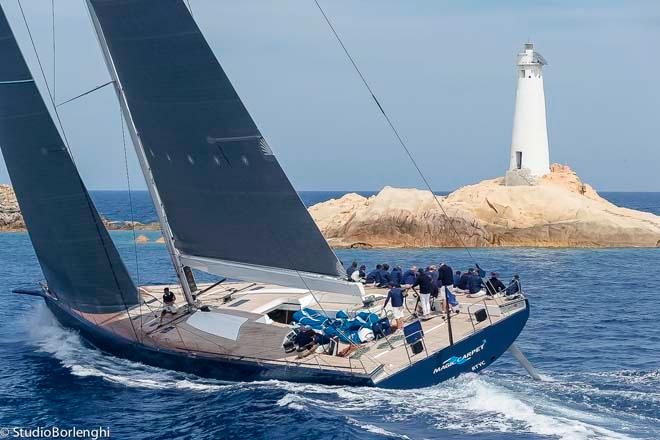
[90, 204]
[130, 204]
[43, 74]
[52, 8]
[85, 93]
[391, 124]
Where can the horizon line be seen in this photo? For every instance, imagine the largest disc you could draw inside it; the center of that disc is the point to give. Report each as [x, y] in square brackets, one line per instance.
[364, 190]
[378, 190]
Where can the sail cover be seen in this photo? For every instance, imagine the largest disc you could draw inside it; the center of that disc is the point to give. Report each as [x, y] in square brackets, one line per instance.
[228, 202]
[81, 265]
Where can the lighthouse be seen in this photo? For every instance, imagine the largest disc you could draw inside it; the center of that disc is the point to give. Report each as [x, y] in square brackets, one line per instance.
[530, 156]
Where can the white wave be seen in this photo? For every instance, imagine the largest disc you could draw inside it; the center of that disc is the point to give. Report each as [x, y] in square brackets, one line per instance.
[629, 377]
[67, 347]
[608, 394]
[292, 401]
[557, 420]
[469, 404]
[375, 429]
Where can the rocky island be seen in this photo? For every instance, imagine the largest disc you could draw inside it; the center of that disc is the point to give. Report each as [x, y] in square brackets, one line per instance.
[557, 211]
[10, 215]
[11, 219]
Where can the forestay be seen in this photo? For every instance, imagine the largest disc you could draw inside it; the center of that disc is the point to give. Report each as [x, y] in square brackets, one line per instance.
[81, 264]
[229, 204]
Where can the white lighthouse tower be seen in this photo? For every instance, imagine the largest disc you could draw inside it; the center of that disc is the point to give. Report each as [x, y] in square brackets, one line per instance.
[530, 156]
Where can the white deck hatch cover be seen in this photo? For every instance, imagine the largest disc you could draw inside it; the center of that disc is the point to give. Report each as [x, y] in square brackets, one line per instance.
[219, 324]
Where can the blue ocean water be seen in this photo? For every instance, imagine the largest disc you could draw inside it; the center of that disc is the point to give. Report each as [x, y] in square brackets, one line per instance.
[115, 205]
[593, 334]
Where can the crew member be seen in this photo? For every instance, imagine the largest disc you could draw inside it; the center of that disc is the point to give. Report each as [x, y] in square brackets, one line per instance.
[385, 277]
[464, 280]
[396, 275]
[457, 278]
[494, 285]
[409, 276]
[446, 284]
[169, 305]
[374, 276]
[426, 286]
[514, 286]
[396, 296]
[352, 268]
[476, 285]
[359, 275]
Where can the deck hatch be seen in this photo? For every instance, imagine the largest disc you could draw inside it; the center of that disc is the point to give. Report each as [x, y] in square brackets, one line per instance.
[218, 324]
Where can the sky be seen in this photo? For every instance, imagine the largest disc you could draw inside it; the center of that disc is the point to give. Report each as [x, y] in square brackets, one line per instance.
[443, 70]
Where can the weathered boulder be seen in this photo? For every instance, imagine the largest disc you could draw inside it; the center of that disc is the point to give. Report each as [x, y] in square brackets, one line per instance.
[10, 215]
[129, 225]
[142, 239]
[558, 211]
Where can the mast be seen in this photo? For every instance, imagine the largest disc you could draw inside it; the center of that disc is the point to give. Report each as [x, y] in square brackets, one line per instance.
[144, 165]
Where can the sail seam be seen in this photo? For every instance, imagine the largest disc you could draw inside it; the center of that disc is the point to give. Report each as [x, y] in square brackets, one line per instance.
[232, 139]
[17, 81]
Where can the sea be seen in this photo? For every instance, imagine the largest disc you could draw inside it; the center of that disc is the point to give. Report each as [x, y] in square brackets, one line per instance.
[593, 334]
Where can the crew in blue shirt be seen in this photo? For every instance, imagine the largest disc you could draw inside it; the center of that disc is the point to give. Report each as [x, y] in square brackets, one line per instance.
[464, 281]
[514, 286]
[457, 277]
[409, 276]
[445, 275]
[352, 268]
[384, 276]
[494, 285]
[374, 275]
[475, 283]
[433, 274]
[426, 287]
[396, 275]
[396, 296]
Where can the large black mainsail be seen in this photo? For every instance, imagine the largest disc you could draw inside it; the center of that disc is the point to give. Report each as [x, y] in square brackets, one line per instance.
[81, 264]
[229, 204]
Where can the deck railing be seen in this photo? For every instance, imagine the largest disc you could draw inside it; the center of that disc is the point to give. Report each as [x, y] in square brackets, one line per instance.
[506, 309]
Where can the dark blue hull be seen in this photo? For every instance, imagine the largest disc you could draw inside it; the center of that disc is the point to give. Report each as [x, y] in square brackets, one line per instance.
[471, 354]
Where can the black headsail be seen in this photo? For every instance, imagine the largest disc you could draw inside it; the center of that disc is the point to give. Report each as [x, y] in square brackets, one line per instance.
[229, 204]
[81, 264]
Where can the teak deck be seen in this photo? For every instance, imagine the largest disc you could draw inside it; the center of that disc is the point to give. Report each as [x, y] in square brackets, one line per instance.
[260, 339]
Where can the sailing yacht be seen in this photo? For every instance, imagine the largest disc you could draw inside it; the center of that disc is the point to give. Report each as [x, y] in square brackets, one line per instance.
[226, 208]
